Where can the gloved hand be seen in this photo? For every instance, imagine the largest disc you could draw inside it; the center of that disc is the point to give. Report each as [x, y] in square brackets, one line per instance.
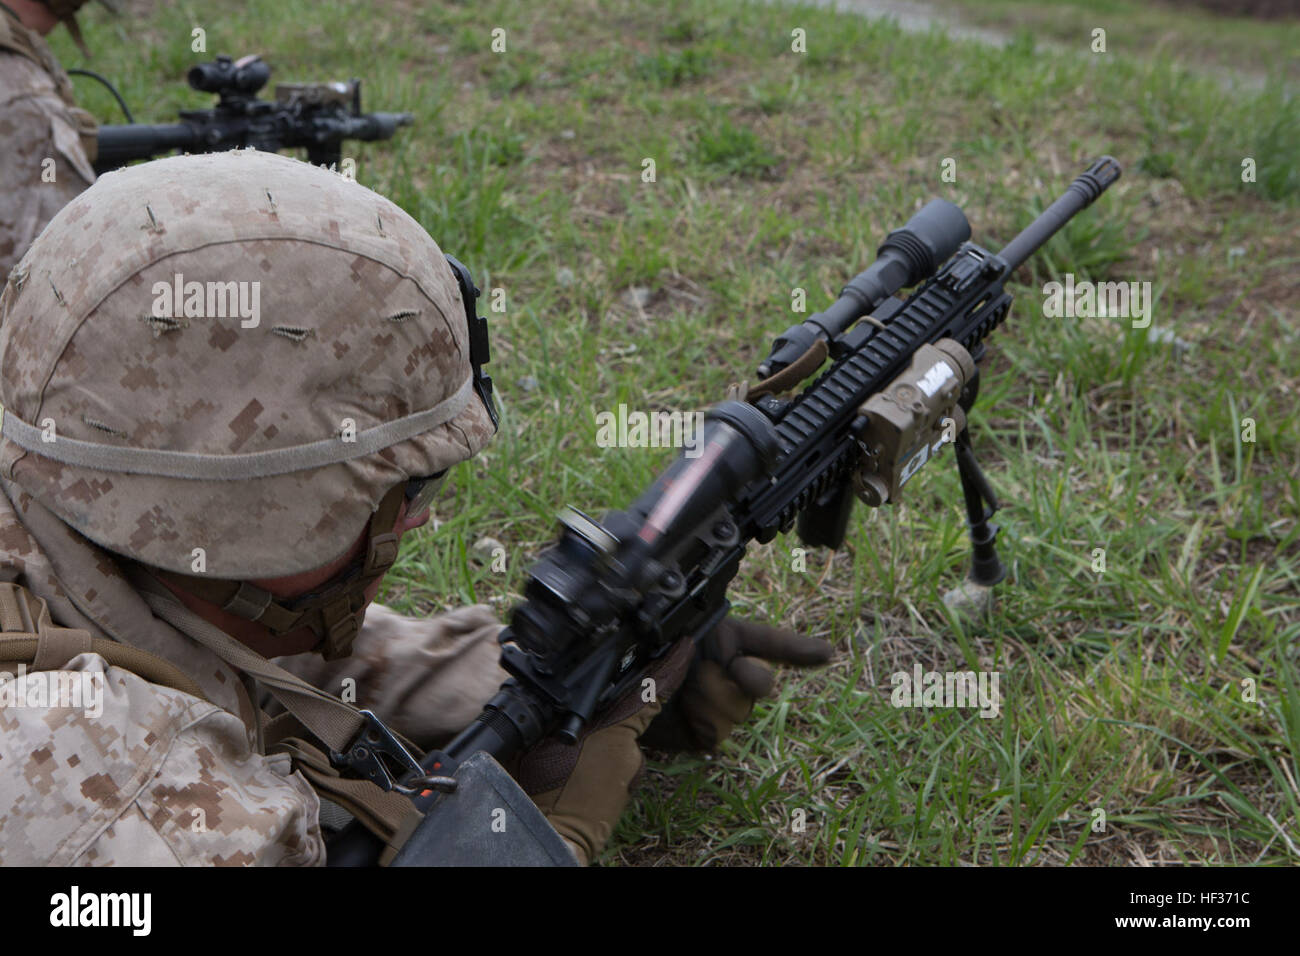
[727, 675]
[582, 788]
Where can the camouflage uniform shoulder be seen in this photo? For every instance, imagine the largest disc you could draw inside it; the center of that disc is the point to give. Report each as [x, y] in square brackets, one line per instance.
[50, 143]
[136, 774]
[29, 46]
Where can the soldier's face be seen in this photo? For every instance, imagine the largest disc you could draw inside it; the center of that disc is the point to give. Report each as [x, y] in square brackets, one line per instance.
[256, 635]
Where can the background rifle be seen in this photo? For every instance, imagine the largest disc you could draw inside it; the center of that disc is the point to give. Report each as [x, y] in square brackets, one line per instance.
[613, 595]
[315, 116]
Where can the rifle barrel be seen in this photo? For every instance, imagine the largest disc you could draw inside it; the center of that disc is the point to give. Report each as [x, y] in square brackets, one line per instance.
[1080, 194]
[119, 145]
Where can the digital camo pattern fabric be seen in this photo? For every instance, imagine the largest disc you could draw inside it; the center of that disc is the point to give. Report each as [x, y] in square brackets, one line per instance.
[158, 777]
[45, 136]
[124, 787]
[231, 304]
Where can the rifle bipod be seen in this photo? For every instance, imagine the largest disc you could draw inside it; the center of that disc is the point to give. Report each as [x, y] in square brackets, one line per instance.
[975, 595]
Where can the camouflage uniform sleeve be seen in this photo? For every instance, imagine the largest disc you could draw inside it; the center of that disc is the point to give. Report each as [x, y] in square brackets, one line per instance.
[137, 774]
[426, 677]
[45, 165]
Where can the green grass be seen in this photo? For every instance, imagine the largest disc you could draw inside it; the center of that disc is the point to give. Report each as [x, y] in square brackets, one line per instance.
[1122, 690]
[733, 150]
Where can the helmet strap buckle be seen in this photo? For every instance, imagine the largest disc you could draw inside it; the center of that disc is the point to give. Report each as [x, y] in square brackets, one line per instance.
[341, 626]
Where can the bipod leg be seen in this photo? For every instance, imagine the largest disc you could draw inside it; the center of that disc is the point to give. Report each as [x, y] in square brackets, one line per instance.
[986, 568]
[974, 597]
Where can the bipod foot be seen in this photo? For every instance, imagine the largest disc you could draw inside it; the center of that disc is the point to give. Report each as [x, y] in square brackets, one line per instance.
[970, 600]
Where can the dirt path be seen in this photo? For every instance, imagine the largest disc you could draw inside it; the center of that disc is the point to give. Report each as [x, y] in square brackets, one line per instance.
[917, 16]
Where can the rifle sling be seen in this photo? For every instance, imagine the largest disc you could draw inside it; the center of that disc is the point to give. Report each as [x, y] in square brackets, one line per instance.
[34, 640]
[310, 710]
[792, 374]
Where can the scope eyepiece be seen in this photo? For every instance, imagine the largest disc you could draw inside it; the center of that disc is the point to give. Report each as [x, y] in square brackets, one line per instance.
[246, 75]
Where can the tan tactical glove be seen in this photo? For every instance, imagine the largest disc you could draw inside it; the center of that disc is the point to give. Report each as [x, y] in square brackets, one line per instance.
[582, 788]
[727, 675]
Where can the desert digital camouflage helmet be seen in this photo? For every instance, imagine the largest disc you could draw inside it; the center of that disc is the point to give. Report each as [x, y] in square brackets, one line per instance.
[234, 363]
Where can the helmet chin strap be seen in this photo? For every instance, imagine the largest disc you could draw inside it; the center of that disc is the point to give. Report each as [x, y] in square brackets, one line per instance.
[334, 612]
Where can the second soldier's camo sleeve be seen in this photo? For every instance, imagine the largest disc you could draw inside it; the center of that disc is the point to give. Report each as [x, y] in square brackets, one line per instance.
[142, 775]
[427, 678]
[44, 165]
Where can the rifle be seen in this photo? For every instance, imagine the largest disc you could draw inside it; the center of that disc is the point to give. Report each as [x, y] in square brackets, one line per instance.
[317, 116]
[611, 596]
